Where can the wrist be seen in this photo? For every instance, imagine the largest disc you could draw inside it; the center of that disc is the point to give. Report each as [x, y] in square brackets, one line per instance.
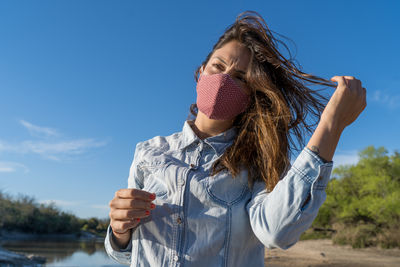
[326, 137]
[120, 241]
[315, 149]
[123, 234]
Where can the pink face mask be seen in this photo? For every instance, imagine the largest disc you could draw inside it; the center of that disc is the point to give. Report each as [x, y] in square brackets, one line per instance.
[219, 97]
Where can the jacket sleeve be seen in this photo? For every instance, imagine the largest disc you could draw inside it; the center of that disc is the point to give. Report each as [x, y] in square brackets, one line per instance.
[135, 180]
[279, 217]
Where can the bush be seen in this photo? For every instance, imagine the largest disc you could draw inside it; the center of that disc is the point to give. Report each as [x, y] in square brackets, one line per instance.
[362, 202]
[25, 215]
[359, 236]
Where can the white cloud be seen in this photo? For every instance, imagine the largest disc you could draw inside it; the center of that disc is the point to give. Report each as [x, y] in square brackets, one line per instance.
[340, 158]
[389, 100]
[387, 97]
[9, 166]
[55, 149]
[345, 157]
[52, 150]
[38, 130]
[59, 203]
[101, 207]
[5, 147]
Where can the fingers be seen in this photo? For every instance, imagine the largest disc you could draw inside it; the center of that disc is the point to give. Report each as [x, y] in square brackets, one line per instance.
[365, 98]
[340, 80]
[122, 227]
[134, 193]
[354, 84]
[124, 215]
[126, 203]
[348, 81]
[127, 208]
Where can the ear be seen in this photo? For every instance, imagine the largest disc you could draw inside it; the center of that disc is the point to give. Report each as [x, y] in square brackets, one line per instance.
[202, 69]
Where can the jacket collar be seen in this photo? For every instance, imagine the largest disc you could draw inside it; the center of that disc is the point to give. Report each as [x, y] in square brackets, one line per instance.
[218, 142]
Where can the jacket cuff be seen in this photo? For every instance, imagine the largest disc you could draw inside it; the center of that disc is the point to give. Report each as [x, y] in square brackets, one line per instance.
[122, 256]
[114, 244]
[313, 169]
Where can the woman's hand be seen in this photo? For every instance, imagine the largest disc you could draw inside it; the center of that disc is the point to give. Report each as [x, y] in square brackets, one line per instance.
[347, 102]
[127, 208]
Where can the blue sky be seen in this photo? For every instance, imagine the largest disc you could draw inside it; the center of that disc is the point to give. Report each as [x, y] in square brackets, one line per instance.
[81, 82]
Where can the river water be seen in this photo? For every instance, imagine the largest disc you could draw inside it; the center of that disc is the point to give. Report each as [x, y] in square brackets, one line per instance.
[64, 253]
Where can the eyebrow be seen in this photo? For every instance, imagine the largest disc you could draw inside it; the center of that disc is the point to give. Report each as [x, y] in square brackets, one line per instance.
[240, 71]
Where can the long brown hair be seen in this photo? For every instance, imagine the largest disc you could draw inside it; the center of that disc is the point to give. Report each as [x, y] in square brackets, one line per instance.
[280, 103]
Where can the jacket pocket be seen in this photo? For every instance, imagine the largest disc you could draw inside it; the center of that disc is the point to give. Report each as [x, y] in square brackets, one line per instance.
[226, 189]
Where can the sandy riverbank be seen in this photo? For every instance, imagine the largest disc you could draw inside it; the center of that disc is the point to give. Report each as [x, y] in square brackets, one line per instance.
[322, 252]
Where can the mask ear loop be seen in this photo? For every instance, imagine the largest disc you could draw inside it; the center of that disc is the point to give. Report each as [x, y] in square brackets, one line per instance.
[201, 73]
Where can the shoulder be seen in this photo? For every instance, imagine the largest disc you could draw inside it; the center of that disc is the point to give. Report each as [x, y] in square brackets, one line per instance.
[157, 146]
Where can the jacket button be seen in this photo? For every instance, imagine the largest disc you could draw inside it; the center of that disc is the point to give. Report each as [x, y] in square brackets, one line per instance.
[176, 258]
[179, 220]
[192, 166]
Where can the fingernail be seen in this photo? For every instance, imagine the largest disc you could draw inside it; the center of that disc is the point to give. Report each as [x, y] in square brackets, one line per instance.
[152, 206]
[147, 212]
[138, 219]
[153, 196]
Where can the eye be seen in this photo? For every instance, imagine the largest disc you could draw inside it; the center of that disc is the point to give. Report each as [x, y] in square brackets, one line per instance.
[241, 78]
[218, 66]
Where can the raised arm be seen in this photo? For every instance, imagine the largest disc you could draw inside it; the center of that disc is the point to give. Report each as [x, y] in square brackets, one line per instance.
[278, 218]
[345, 105]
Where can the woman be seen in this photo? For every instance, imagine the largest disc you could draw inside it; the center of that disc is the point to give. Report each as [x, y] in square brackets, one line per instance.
[221, 190]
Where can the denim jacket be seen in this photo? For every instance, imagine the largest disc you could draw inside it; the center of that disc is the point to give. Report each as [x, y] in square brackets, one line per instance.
[201, 220]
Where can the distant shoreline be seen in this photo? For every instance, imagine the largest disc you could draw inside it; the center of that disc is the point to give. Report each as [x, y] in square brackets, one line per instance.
[18, 235]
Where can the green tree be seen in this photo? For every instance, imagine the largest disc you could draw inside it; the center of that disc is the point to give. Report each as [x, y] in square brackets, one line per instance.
[363, 201]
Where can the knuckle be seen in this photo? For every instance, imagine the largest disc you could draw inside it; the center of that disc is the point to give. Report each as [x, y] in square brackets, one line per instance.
[120, 225]
[116, 226]
[128, 213]
[125, 225]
